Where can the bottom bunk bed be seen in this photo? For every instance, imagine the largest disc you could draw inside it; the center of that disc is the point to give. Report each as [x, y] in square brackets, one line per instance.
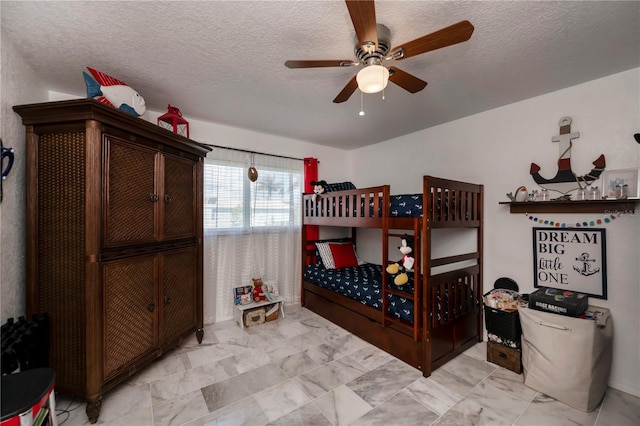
[436, 316]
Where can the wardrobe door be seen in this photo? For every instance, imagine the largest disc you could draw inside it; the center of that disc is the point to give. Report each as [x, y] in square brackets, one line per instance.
[130, 312]
[131, 193]
[178, 294]
[179, 198]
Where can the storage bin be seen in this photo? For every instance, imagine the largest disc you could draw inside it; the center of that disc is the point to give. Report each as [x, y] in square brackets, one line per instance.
[509, 358]
[567, 358]
[254, 317]
[504, 324]
[271, 313]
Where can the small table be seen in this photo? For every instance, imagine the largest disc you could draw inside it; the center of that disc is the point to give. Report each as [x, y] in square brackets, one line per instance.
[238, 313]
[25, 394]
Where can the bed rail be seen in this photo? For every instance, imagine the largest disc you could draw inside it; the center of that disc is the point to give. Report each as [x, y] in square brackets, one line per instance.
[454, 294]
[453, 318]
[359, 208]
[452, 204]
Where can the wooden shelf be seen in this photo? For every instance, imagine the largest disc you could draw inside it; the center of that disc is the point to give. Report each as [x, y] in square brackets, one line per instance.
[587, 206]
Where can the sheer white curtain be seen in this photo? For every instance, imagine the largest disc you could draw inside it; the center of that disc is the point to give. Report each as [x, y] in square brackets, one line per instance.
[251, 229]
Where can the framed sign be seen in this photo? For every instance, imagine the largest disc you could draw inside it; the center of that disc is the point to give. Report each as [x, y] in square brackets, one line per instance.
[572, 259]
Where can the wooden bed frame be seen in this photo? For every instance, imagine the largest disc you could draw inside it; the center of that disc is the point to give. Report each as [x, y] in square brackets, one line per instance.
[432, 339]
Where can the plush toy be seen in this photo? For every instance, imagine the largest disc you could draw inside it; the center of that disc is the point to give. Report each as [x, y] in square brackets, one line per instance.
[258, 290]
[271, 292]
[400, 268]
[113, 92]
[319, 188]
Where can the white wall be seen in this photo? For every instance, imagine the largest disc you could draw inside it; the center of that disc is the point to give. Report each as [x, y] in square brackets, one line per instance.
[333, 162]
[19, 84]
[496, 148]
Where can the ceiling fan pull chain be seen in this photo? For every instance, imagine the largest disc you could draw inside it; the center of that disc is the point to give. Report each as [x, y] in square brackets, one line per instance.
[383, 85]
[361, 113]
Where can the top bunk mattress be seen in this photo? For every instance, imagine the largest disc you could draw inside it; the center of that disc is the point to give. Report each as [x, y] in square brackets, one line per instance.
[405, 205]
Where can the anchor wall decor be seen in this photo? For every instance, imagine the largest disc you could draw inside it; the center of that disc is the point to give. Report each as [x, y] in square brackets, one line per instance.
[566, 180]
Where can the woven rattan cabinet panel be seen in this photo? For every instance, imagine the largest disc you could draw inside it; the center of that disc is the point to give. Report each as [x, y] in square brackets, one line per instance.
[129, 312]
[132, 196]
[61, 259]
[150, 195]
[179, 216]
[114, 241]
[179, 288]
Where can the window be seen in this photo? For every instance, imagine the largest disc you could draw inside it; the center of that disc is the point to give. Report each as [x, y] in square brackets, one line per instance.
[233, 203]
[252, 229]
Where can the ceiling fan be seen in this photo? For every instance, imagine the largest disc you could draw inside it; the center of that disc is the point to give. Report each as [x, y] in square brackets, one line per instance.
[373, 48]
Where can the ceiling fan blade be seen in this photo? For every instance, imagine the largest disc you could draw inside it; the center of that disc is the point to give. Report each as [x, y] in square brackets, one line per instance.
[320, 63]
[363, 16]
[405, 80]
[454, 34]
[348, 90]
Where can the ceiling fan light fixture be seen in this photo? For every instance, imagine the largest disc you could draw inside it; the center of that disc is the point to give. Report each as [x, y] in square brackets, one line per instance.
[372, 78]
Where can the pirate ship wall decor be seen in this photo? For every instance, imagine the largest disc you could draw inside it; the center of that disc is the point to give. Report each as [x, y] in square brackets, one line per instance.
[571, 259]
[566, 180]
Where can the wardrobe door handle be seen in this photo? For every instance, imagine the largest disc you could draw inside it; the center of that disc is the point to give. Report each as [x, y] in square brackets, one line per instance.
[154, 197]
[167, 198]
[151, 306]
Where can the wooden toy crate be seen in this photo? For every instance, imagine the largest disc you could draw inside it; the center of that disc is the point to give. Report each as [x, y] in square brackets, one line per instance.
[504, 356]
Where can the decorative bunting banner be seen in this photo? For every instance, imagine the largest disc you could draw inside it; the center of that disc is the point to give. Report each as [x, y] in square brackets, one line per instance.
[561, 224]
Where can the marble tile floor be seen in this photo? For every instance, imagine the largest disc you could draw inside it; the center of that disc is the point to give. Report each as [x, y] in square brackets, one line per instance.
[304, 370]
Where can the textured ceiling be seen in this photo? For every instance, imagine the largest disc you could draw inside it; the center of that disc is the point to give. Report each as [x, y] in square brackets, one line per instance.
[223, 61]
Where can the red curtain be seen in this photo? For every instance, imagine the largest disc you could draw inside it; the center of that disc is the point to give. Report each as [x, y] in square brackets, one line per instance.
[311, 174]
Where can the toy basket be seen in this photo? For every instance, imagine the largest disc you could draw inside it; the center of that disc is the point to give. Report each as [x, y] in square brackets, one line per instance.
[272, 313]
[504, 324]
[254, 317]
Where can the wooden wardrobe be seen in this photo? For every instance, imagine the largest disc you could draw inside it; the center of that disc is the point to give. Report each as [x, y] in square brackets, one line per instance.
[114, 241]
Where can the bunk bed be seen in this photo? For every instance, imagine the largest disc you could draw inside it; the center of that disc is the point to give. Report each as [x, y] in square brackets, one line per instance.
[437, 314]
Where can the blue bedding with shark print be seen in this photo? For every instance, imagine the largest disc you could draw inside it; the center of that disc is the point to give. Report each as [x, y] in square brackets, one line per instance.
[363, 284]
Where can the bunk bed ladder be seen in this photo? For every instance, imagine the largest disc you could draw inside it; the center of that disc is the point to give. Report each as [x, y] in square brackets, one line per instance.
[387, 290]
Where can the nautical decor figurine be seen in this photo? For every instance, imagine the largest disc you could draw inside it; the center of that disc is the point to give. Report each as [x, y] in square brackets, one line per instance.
[565, 179]
[172, 120]
[252, 173]
[113, 92]
[520, 196]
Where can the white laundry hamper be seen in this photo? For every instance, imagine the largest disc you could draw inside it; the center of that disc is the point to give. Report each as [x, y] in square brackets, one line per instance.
[567, 358]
